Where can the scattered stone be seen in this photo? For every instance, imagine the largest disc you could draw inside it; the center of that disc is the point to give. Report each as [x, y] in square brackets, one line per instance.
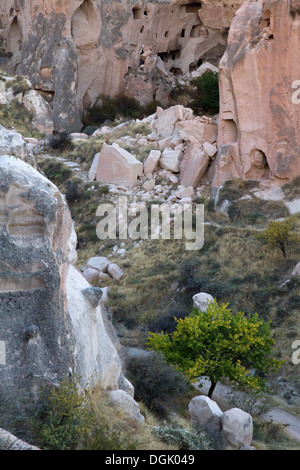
[90, 274]
[100, 263]
[93, 294]
[170, 159]
[152, 161]
[202, 300]
[93, 170]
[127, 403]
[193, 165]
[149, 185]
[210, 149]
[115, 271]
[173, 179]
[185, 192]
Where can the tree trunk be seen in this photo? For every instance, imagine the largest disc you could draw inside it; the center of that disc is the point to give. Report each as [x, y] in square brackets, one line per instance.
[211, 389]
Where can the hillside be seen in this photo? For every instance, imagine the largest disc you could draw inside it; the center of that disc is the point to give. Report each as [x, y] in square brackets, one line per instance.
[108, 114]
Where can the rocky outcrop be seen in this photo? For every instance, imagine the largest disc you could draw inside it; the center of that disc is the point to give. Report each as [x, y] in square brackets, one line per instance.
[259, 94]
[10, 442]
[79, 49]
[52, 323]
[232, 429]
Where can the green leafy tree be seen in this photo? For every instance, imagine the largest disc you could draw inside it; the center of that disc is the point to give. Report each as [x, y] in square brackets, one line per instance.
[280, 234]
[218, 343]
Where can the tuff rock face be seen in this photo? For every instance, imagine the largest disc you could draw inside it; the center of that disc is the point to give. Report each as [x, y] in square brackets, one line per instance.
[79, 49]
[259, 109]
[52, 323]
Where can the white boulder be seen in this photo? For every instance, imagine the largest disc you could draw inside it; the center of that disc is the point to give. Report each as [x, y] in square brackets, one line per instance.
[237, 428]
[202, 300]
[205, 414]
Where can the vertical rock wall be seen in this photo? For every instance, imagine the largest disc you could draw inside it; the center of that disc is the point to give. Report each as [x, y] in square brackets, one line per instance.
[259, 94]
[79, 49]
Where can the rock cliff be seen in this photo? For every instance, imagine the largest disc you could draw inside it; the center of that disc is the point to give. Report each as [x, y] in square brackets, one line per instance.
[77, 49]
[52, 323]
[259, 94]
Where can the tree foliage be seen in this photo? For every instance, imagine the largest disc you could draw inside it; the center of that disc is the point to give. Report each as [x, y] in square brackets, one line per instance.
[207, 98]
[218, 343]
[280, 234]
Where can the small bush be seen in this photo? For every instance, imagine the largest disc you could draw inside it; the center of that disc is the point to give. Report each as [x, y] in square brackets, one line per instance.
[182, 438]
[128, 106]
[60, 141]
[155, 382]
[55, 170]
[64, 418]
[99, 113]
[19, 85]
[207, 98]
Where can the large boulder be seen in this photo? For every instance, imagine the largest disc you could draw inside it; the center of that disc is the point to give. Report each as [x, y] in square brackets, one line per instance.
[117, 166]
[12, 143]
[205, 415]
[237, 428]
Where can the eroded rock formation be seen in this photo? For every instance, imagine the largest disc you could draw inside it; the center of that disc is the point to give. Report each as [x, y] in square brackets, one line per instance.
[79, 49]
[52, 324]
[259, 94]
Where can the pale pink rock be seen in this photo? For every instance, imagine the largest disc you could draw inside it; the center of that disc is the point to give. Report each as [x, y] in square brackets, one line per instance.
[117, 166]
[100, 263]
[210, 149]
[93, 170]
[193, 165]
[170, 160]
[197, 130]
[115, 271]
[185, 192]
[167, 119]
[90, 274]
[152, 161]
[258, 116]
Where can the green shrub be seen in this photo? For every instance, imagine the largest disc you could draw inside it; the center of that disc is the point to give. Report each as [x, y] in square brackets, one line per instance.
[99, 113]
[155, 382]
[207, 98]
[181, 437]
[64, 417]
[128, 106]
[56, 171]
[60, 141]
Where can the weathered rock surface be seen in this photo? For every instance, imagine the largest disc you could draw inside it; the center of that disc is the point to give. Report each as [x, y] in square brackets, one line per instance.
[258, 117]
[237, 428]
[51, 317]
[232, 429]
[10, 442]
[78, 49]
[117, 166]
[205, 414]
[202, 300]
